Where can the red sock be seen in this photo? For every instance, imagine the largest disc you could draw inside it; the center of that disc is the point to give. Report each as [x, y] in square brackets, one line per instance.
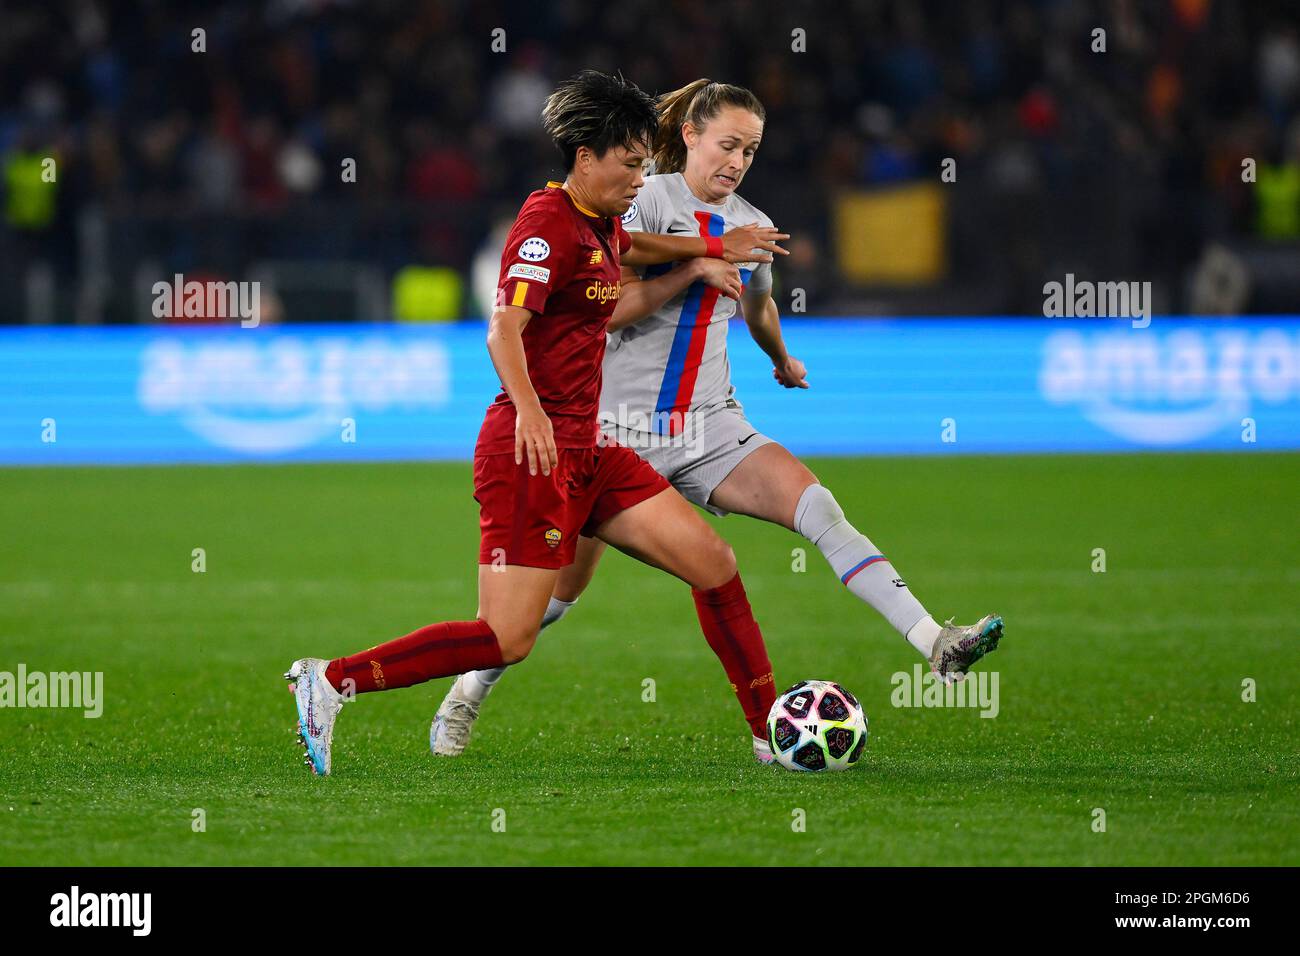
[438, 650]
[732, 632]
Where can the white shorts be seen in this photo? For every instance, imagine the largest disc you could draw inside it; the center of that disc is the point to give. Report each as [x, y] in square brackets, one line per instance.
[713, 442]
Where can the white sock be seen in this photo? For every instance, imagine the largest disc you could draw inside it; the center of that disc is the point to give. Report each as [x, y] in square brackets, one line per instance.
[556, 609]
[923, 634]
[858, 563]
[476, 685]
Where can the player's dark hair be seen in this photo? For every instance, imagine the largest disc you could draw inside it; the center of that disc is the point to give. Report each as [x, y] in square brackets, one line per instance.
[696, 103]
[600, 111]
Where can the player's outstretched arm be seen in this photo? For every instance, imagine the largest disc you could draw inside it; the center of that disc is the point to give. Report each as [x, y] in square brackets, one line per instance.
[764, 322]
[752, 243]
[533, 434]
[641, 297]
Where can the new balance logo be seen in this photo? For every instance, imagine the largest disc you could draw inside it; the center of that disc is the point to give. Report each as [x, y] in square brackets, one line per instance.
[597, 257]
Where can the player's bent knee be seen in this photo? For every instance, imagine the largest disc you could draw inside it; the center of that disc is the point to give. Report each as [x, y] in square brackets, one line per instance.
[718, 564]
[816, 512]
[515, 641]
[726, 560]
[515, 647]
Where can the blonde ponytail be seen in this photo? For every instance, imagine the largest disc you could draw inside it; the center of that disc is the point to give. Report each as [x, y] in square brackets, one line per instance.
[696, 103]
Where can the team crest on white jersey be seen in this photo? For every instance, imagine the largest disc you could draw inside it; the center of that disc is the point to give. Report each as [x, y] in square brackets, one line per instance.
[628, 216]
[535, 249]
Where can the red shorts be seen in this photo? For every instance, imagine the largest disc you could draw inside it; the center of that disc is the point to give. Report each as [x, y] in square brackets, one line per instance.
[535, 520]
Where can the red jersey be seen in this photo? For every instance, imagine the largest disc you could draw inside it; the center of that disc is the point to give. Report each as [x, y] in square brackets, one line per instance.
[561, 262]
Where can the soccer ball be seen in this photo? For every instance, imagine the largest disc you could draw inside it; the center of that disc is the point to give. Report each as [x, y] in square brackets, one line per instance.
[817, 725]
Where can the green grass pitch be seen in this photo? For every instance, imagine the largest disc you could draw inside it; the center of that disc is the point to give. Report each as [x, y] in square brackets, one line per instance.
[1119, 690]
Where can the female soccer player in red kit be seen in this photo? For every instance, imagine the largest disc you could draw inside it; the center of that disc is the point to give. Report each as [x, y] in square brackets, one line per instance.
[667, 359]
[542, 473]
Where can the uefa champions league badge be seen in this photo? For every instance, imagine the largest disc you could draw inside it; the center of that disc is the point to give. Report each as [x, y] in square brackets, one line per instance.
[535, 249]
[630, 214]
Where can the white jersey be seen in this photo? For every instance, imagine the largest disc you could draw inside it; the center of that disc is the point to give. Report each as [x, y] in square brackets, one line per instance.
[674, 361]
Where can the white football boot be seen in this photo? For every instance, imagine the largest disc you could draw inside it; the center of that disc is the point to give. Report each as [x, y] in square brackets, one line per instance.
[318, 707]
[763, 750]
[959, 647]
[453, 723]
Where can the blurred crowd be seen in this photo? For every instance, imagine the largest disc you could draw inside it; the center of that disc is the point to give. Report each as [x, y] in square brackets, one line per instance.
[1127, 160]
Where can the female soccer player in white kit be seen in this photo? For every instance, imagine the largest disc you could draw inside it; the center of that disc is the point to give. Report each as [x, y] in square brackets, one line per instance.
[667, 394]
